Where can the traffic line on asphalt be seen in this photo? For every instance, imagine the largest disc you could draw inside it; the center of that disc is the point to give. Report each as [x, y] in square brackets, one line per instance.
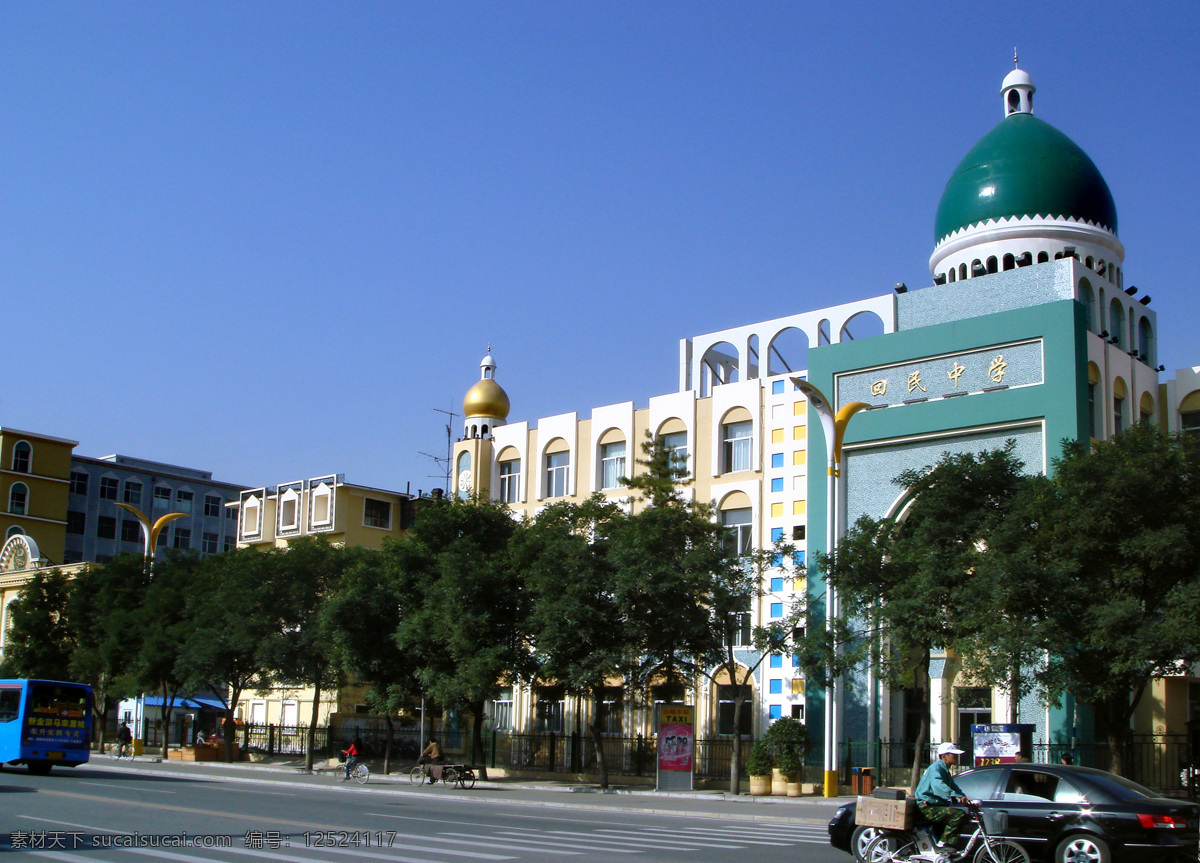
[381, 850]
[68, 858]
[127, 787]
[554, 842]
[419, 838]
[681, 845]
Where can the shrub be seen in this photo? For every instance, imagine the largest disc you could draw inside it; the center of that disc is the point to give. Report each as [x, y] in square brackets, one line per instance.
[759, 762]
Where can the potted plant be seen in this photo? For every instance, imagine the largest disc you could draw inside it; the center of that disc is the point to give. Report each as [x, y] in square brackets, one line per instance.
[787, 742]
[758, 764]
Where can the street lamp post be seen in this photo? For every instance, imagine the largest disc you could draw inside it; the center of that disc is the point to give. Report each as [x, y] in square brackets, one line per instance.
[834, 426]
[151, 531]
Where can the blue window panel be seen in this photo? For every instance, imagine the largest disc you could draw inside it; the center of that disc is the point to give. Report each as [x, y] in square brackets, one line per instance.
[776, 534]
[777, 687]
[795, 662]
[776, 388]
[777, 560]
[776, 661]
[777, 461]
[803, 378]
[776, 610]
[776, 584]
[798, 558]
[775, 711]
[777, 484]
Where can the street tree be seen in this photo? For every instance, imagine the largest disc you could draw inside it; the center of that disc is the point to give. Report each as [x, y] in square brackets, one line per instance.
[233, 613]
[160, 626]
[360, 618]
[907, 580]
[40, 640]
[1115, 532]
[576, 625]
[301, 652]
[102, 607]
[464, 619]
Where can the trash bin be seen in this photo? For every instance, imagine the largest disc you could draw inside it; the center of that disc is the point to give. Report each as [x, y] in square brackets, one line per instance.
[137, 747]
[868, 780]
[856, 781]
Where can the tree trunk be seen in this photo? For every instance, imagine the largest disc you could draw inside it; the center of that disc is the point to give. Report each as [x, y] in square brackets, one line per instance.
[387, 747]
[477, 757]
[598, 742]
[1014, 694]
[311, 737]
[229, 732]
[921, 678]
[735, 757]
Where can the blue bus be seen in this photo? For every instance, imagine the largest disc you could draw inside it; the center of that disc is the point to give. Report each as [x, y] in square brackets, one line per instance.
[44, 723]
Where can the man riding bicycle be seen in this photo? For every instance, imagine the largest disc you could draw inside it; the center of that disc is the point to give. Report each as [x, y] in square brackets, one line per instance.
[124, 740]
[937, 792]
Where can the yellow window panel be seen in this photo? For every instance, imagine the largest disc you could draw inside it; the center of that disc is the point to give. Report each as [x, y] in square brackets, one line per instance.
[800, 457]
[799, 432]
[776, 435]
[800, 409]
[797, 686]
[776, 510]
[799, 507]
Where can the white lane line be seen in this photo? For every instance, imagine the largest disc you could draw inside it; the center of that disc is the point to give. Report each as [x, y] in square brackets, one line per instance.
[638, 841]
[613, 846]
[580, 844]
[289, 858]
[506, 847]
[381, 849]
[73, 824]
[57, 855]
[127, 787]
[703, 837]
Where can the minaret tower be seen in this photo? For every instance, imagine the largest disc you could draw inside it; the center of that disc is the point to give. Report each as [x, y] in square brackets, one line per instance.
[485, 406]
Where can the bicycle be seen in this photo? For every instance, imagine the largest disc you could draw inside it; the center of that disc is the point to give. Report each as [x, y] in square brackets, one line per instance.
[462, 775]
[359, 773]
[124, 750]
[917, 845]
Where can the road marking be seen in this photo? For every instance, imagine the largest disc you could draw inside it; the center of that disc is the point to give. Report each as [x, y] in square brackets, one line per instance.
[288, 858]
[600, 843]
[683, 846]
[57, 855]
[507, 847]
[73, 824]
[474, 855]
[127, 787]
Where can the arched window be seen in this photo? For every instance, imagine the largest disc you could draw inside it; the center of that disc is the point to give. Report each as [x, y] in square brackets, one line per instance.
[510, 475]
[737, 441]
[1120, 411]
[1009, 262]
[1146, 408]
[15, 530]
[962, 271]
[22, 455]
[557, 468]
[1116, 323]
[18, 498]
[991, 264]
[612, 459]
[1088, 298]
[1043, 258]
[1145, 340]
[737, 515]
[673, 437]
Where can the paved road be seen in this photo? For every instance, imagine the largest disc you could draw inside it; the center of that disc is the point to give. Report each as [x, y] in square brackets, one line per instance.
[107, 813]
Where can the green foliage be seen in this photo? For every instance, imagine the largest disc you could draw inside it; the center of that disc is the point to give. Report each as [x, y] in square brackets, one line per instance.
[760, 761]
[787, 742]
[40, 640]
[1113, 539]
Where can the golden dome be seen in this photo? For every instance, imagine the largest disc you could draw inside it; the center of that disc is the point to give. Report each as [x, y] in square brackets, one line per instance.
[486, 399]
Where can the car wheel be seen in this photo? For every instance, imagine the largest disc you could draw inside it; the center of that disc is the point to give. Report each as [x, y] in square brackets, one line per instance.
[1083, 848]
[859, 840]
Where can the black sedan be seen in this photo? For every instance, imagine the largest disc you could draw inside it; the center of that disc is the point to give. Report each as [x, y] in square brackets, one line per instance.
[1063, 814]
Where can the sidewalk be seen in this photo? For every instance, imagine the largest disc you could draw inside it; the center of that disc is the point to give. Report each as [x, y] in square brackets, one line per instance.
[537, 792]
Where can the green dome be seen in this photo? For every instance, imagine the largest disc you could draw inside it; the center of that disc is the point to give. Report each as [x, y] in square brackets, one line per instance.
[1024, 167]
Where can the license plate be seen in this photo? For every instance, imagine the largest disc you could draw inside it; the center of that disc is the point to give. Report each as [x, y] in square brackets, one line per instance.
[54, 755]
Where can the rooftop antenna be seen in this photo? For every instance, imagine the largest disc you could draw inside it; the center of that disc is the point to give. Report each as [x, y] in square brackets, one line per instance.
[1014, 56]
[444, 461]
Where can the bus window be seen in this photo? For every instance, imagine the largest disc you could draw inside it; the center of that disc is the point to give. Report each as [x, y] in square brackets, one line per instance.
[10, 704]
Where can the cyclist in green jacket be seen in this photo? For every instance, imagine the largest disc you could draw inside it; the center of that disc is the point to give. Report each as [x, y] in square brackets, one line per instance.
[937, 792]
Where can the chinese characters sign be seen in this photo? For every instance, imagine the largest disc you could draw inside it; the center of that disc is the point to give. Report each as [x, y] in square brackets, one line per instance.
[979, 371]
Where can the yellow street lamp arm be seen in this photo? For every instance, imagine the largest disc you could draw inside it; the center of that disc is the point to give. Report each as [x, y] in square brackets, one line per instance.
[151, 530]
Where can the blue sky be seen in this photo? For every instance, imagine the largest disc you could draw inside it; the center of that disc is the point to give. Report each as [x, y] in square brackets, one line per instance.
[270, 239]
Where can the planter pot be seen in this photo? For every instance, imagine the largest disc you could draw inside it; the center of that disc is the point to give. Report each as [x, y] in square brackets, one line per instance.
[760, 786]
[779, 783]
[795, 789]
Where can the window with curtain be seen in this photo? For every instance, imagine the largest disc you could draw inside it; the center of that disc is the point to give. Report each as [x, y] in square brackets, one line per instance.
[736, 446]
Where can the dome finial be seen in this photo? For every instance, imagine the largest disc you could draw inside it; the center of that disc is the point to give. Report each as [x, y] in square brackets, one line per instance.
[1015, 61]
[1017, 90]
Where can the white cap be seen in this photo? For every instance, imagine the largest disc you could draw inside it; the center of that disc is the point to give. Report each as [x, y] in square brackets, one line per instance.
[948, 749]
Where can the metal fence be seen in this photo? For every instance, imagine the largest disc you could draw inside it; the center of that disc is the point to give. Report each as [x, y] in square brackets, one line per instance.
[1165, 763]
